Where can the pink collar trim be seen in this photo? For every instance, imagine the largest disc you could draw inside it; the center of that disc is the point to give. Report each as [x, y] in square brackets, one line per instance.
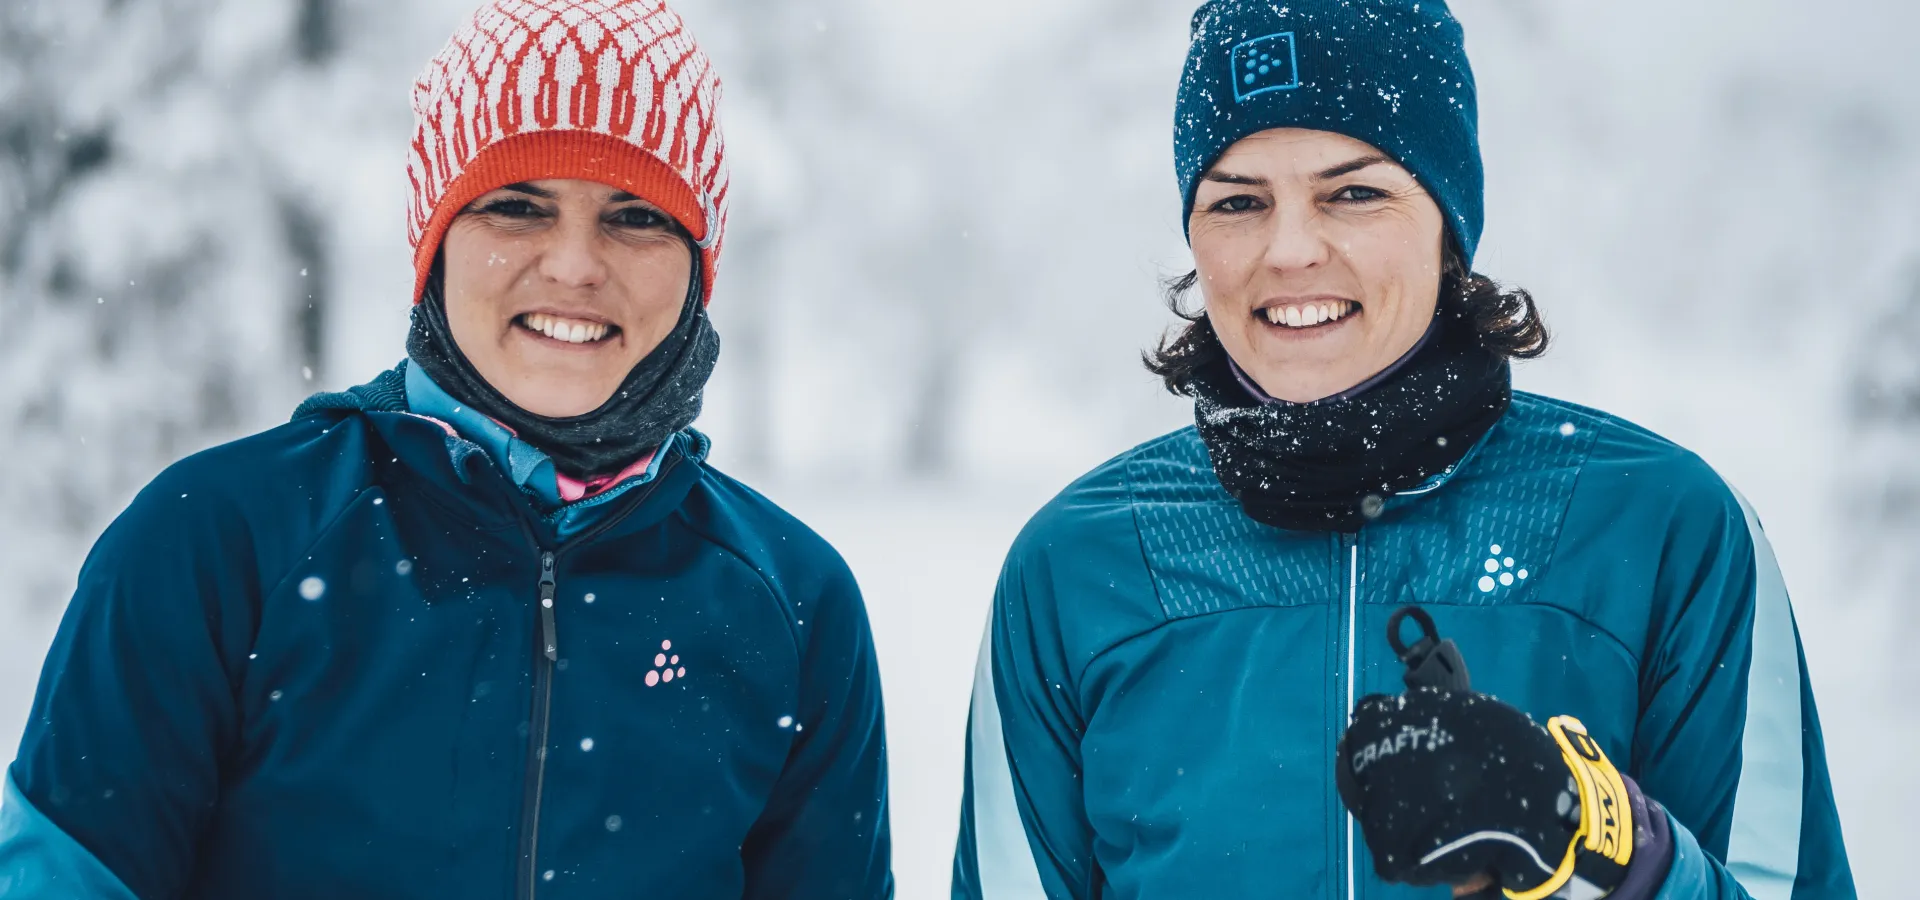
[572, 490]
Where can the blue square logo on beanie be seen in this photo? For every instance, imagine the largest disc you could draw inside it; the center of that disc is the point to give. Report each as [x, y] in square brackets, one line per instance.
[1264, 64]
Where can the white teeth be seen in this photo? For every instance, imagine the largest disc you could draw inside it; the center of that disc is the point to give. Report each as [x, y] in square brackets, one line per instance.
[1310, 315]
[568, 330]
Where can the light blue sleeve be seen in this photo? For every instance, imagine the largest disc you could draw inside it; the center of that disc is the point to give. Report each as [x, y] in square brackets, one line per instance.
[995, 859]
[1024, 834]
[1776, 813]
[38, 861]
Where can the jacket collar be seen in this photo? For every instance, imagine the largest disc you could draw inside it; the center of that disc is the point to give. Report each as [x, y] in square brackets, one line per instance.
[494, 475]
[525, 465]
[1439, 479]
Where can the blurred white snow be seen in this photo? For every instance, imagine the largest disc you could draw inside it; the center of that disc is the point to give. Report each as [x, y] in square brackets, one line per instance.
[949, 219]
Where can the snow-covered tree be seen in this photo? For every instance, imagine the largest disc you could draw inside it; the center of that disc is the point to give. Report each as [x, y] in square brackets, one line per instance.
[164, 280]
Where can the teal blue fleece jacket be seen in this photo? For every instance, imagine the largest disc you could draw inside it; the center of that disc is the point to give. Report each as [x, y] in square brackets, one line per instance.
[1164, 679]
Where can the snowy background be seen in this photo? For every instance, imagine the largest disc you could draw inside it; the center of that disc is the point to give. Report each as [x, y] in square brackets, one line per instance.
[949, 219]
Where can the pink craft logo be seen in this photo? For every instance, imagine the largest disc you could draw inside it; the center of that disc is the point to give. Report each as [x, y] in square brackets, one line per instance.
[666, 665]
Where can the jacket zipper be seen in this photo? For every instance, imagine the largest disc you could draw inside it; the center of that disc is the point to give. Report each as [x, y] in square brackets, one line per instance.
[538, 731]
[546, 655]
[1351, 543]
[547, 592]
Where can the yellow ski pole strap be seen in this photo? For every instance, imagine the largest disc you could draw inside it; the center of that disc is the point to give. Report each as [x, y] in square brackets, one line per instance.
[1602, 846]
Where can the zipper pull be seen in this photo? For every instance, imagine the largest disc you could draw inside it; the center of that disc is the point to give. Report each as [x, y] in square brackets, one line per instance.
[547, 592]
[1431, 661]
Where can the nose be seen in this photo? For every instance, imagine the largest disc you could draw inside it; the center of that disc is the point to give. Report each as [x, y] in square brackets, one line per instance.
[573, 256]
[1296, 241]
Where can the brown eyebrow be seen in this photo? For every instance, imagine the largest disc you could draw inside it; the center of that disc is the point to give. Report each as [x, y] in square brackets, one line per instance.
[1230, 178]
[1346, 168]
[1351, 166]
[521, 187]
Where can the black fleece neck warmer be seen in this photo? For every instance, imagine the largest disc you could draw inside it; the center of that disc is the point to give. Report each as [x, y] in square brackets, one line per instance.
[1330, 465]
[659, 397]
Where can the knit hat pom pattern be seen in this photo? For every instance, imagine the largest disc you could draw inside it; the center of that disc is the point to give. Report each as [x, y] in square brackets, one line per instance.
[612, 91]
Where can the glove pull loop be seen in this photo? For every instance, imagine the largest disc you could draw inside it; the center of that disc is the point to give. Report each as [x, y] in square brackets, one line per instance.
[1431, 661]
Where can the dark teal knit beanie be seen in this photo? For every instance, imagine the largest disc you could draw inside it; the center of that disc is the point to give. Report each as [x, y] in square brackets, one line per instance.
[1392, 73]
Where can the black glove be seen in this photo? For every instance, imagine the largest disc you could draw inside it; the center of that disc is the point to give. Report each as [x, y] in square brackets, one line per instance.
[1449, 785]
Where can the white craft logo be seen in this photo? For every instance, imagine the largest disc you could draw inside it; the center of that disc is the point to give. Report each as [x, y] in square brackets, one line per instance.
[1500, 572]
[1411, 737]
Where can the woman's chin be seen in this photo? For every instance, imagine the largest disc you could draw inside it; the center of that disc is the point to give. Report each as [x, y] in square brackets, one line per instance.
[1298, 377]
[561, 392]
[558, 380]
[558, 402]
[1311, 353]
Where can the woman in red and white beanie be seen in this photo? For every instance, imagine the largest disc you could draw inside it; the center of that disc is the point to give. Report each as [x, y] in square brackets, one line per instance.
[488, 625]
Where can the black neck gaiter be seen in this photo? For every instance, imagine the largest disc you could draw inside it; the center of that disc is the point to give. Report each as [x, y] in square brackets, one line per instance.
[1330, 465]
[659, 397]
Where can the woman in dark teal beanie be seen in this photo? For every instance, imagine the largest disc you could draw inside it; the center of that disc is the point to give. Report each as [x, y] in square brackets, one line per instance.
[1234, 661]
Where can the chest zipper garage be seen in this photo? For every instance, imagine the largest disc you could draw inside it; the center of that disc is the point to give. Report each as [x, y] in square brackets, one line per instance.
[546, 656]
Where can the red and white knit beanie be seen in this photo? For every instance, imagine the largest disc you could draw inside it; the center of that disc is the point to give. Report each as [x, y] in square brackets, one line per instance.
[613, 91]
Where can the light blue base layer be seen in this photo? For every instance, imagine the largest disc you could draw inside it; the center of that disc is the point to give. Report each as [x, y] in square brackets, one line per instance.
[38, 861]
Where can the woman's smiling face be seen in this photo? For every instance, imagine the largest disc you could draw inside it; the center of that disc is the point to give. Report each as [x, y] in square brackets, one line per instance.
[556, 289]
[1320, 259]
